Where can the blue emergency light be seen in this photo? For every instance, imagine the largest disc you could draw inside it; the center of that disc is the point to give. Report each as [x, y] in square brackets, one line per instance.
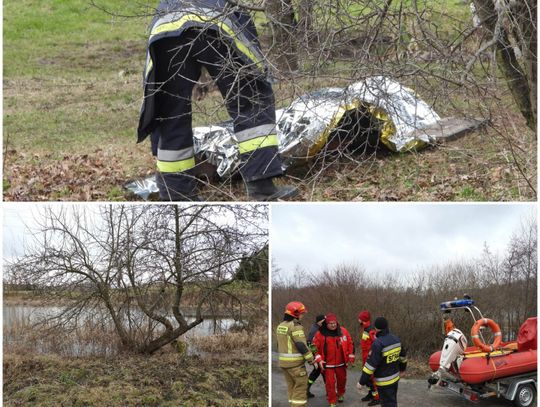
[456, 304]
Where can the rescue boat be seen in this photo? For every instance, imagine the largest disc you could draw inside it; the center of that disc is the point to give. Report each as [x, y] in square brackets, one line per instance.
[479, 367]
[475, 365]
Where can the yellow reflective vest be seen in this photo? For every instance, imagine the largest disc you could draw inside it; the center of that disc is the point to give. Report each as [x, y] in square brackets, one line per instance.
[289, 332]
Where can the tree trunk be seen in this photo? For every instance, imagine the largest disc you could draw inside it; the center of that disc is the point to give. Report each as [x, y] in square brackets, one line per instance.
[526, 17]
[516, 79]
[168, 337]
[283, 23]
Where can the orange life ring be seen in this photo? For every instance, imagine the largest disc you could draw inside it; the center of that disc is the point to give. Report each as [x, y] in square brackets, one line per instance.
[496, 332]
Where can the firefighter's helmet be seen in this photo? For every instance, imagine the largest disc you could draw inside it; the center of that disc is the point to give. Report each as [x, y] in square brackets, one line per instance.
[295, 309]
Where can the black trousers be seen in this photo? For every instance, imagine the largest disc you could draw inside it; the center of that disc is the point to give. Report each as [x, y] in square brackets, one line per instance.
[314, 375]
[248, 97]
[388, 395]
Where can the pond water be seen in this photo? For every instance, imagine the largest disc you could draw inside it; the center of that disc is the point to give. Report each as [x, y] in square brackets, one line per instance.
[17, 314]
[18, 321]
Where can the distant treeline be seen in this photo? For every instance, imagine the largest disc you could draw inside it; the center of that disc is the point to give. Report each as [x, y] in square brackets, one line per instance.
[504, 289]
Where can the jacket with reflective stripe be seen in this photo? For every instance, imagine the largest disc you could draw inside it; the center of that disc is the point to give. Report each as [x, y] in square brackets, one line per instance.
[173, 17]
[289, 334]
[366, 340]
[383, 361]
[334, 350]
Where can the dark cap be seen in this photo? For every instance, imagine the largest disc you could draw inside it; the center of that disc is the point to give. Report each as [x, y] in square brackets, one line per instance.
[319, 318]
[381, 323]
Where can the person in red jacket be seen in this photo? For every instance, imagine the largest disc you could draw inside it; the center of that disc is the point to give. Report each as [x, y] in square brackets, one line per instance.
[335, 346]
[367, 336]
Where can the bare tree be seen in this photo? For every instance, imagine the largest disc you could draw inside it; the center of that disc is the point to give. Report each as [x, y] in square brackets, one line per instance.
[151, 271]
[510, 23]
[283, 21]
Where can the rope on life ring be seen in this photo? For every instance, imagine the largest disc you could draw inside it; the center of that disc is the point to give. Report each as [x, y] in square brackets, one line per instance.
[496, 332]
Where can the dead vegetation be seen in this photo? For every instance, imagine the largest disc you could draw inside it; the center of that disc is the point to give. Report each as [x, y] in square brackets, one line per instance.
[235, 342]
[168, 380]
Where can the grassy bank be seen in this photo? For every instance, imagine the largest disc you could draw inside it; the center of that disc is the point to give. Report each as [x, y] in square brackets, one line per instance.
[161, 380]
[72, 93]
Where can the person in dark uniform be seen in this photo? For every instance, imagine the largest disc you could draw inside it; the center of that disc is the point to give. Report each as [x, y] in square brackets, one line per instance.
[385, 361]
[316, 372]
[185, 36]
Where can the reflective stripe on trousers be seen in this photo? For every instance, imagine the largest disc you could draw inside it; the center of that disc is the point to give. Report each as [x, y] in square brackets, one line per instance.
[175, 160]
[256, 137]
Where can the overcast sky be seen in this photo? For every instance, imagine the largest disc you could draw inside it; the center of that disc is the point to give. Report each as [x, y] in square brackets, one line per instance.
[16, 215]
[389, 237]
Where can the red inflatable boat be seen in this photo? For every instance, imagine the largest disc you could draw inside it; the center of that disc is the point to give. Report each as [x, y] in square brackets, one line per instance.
[509, 359]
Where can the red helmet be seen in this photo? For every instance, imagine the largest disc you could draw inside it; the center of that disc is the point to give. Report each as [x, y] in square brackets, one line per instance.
[295, 309]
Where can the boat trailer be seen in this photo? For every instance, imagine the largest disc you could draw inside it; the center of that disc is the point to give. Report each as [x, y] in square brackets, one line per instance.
[521, 389]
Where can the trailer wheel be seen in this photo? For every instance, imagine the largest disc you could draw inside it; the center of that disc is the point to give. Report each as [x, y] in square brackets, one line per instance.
[525, 395]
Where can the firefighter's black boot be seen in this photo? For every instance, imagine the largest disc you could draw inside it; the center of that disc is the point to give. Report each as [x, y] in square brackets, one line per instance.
[309, 394]
[367, 397]
[181, 186]
[374, 402]
[265, 190]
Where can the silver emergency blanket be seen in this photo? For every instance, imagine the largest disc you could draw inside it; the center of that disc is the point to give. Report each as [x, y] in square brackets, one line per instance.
[304, 127]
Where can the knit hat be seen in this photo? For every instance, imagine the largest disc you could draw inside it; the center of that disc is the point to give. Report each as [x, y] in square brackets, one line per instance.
[319, 318]
[381, 323]
[331, 318]
[364, 316]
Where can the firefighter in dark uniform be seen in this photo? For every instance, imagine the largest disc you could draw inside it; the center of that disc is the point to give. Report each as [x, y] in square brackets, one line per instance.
[386, 360]
[185, 36]
[294, 352]
[316, 372]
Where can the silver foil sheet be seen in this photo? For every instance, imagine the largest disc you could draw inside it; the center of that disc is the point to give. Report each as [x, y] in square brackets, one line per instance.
[303, 127]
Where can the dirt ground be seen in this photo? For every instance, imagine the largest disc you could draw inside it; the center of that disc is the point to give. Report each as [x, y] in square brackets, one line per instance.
[412, 392]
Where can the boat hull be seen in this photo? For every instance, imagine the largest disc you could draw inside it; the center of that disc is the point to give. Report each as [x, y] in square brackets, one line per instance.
[478, 368]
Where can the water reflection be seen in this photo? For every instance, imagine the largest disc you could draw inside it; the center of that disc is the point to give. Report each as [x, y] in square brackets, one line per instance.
[89, 340]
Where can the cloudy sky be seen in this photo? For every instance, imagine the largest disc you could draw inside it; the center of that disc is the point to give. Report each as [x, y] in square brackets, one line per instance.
[389, 237]
[16, 215]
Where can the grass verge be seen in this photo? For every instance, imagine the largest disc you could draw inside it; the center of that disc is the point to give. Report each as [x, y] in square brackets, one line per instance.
[161, 380]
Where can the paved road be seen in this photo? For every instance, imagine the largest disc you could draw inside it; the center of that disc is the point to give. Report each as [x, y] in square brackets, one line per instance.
[412, 393]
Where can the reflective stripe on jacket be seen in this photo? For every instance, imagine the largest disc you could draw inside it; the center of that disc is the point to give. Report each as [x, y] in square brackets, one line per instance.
[288, 334]
[383, 361]
[366, 340]
[334, 350]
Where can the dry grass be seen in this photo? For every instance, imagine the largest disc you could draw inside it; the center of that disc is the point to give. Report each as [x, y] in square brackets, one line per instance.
[242, 343]
[164, 380]
[88, 339]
